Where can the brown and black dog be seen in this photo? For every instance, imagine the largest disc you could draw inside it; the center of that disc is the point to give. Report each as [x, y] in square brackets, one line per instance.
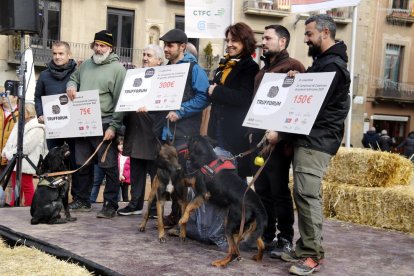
[226, 190]
[169, 183]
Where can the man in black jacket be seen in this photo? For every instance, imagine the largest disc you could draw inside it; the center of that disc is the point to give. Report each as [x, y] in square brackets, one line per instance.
[313, 152]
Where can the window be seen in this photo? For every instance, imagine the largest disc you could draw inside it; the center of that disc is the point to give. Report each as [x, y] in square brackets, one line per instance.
[49, 23]
[121, 24]
[393, 58]
[400, 4]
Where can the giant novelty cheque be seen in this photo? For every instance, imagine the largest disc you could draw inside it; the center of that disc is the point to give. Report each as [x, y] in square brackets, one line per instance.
[288, 104]
[156, 88]
[78, 118]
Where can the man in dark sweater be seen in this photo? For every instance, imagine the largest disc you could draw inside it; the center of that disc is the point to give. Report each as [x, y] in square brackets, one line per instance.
[272, 183]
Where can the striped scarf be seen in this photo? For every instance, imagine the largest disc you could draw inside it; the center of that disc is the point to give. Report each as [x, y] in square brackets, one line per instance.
[225, 66]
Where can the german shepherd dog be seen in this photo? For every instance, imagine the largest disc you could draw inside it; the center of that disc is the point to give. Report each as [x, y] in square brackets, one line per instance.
[169, 183]
[226, 190]
[52, 192]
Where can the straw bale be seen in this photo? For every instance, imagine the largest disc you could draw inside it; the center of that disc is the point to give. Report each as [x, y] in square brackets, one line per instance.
[25, 261]
[390, 208]
[369, 168]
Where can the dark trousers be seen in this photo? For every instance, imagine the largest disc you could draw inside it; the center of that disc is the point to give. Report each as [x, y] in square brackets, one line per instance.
[84, 149]
[139, 169]
[272, 187]
[124, 191]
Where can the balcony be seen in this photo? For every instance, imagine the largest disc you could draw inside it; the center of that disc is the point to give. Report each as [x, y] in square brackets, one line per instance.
[395, 92]
[400, 16]
[271, 8]
[177, 1]
[42, 52]
[341, 16]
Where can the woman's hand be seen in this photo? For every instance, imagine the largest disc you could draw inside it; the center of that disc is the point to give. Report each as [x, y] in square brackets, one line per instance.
[211, 88]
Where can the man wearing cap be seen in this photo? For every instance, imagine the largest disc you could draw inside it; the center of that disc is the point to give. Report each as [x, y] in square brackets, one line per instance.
[187, 120]
[104, 72]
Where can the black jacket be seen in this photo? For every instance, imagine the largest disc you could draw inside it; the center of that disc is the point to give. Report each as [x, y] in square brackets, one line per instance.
[52, 81]
[327, 132]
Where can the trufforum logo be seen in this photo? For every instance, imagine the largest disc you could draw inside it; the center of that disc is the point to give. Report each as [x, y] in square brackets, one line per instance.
[273, 91]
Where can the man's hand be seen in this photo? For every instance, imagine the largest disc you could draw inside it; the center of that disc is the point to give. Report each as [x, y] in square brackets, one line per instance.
[41, 119]
[211, 88]
[172, 116]
[109, 134]
[71, 92]
[292, 73]
[272, 137]
[121, 178]
[142, 109]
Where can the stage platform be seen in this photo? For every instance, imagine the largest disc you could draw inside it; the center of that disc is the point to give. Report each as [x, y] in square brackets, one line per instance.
[116, 247]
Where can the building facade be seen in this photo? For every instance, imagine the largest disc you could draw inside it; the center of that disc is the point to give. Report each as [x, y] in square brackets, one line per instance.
[136, 23]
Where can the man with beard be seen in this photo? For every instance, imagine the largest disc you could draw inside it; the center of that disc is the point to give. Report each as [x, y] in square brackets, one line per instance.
[104, 72]
[272, 183]
[53, 81]
[312, 153]
[186, 121]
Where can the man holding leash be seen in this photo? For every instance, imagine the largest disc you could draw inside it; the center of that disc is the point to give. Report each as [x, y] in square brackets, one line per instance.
[104, 72]
[186, 121]
[313, 152]
[272, 185]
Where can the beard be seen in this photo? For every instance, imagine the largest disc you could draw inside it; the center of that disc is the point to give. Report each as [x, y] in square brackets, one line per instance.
[314, 50]
[99, 58]
[270, 54]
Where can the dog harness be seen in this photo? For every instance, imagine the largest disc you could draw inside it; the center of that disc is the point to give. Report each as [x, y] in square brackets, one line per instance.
[182, 149]
[216, 166]
[56, 183]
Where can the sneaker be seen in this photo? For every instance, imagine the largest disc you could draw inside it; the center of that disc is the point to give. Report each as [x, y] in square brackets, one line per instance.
[175, 232]
[306, 266]
[127, 211]
[106, 212]
[79, 206]
[290, 257]
[169, 221]
[282, 246]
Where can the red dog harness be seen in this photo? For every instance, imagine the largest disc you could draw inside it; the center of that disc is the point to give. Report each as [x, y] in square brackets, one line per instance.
[216, 166]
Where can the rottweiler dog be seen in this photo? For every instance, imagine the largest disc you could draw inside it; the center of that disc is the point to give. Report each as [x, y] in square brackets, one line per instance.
[52, 192]
[227, 190]
[169, 183]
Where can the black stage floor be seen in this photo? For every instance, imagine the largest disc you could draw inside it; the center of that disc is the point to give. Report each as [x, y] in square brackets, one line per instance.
[117, 247]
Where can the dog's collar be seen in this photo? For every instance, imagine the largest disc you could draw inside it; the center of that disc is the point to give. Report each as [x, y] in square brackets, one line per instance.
[216, 166]
[182, 149]
[53, 182]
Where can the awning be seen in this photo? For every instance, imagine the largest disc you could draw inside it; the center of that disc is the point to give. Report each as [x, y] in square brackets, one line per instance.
[390, 118]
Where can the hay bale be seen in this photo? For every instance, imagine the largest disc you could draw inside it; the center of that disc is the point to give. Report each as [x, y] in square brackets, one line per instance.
[22, 260]
[390, 208]
[369, 168]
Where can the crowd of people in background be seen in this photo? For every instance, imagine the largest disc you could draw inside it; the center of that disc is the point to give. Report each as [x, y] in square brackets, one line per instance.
[229, 94]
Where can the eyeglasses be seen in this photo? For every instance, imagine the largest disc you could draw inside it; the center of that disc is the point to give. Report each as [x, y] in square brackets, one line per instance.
[3, 94]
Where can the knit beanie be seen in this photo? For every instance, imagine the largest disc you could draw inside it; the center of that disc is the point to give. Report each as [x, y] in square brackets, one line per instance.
[104, 37]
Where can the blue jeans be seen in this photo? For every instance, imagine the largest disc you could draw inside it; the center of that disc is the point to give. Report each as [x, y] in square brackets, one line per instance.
[98, 177]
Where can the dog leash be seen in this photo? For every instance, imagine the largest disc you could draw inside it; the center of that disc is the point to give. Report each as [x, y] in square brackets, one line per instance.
[243, 217]
[84, 164]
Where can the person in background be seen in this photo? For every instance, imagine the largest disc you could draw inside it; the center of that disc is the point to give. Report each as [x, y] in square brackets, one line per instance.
[34, 145]
[103, 72]
[385, 141]
[232, 93]
[312, 153]
[124, 170]
[408, 145]
[140, 142]
[272, 185]
[370, 139]
[7, 120]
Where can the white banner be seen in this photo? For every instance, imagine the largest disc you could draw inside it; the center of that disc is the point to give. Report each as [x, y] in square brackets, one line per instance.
[78, 118]
[156, 88]
[207, 18]
[316, 5]
[288, 104]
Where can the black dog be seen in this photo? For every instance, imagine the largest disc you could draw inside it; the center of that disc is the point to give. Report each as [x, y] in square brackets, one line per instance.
[169, 183]
[226, 190]
[52, 192]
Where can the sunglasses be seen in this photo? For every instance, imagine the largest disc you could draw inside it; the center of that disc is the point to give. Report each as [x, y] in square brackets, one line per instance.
[3, 94]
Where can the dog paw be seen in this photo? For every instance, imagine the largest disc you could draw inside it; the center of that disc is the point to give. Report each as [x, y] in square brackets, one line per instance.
[163, 239]
[257, 258]
[141, 228]
[183, 221]
[182, 238]
[71, 219]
